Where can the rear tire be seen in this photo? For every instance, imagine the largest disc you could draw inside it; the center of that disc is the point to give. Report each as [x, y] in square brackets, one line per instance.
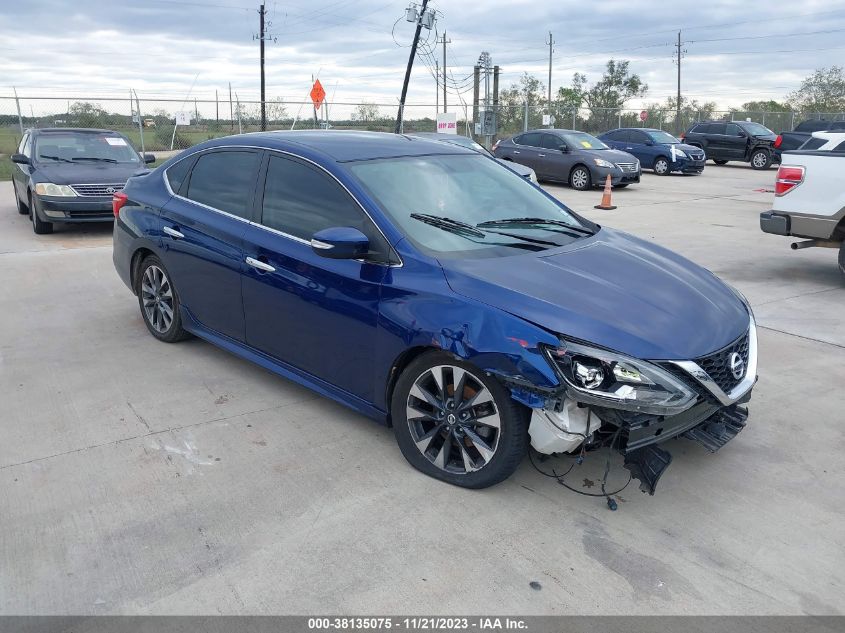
[473, 447]
[720, 161]
[39, 226]
[159, 301]
[761, 159]
[842, 259]
[580, 178]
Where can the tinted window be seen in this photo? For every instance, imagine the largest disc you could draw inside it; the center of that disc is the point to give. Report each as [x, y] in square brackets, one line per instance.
[616, 135]
[532, 139]
[813, 143]
[177, 173]
[716, 128]
[225, 181]
[638, 137]
[812, 126]
[550, 141]
[732, 129]
[839, 148]
[300, 200]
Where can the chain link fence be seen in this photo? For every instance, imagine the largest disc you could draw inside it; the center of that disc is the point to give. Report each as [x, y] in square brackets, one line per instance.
[173, 124]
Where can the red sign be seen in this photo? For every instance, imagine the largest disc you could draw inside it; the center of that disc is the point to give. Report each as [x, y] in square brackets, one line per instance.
[318, 94]
[643, 115]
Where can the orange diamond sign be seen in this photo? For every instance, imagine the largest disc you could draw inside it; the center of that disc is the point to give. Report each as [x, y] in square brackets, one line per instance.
[318, 94]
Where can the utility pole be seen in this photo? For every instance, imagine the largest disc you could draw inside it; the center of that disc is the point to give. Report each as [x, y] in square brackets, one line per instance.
[216, 107]
[495, 102]
[231, 114]
[444, 41]
[437, 84]
[261, 13]
[419, 19]
[550, 44]
[679, 53]
[476, 79]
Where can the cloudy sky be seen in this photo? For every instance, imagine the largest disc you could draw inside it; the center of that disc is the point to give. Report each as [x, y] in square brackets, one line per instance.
[735, 51]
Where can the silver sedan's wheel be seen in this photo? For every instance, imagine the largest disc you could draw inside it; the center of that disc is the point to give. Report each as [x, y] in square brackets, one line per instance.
[453, 419]
[580, 178]
[157, 299]
[661, 167]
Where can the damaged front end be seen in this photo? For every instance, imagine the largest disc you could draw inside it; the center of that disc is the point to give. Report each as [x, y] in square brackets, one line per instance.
[640, 404]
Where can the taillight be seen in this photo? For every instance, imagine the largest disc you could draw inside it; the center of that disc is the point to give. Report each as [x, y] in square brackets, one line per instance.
[788, 178]
[778, 141]
[682, 136]
[118, 200]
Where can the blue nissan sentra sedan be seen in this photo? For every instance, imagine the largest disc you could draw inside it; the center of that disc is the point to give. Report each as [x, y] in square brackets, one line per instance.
[436, 291]
[657, 150]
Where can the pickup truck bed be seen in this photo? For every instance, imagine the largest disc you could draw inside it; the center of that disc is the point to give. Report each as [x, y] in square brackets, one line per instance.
[809, 201]
[788, 141]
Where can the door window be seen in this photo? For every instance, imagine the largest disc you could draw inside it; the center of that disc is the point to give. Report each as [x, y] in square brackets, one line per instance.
[177, 173]
[550, 141]
[716, 128]
[531, 139]
[225, 181]
[24, 144]
[639, 137]
[300, 200]
[732, 129]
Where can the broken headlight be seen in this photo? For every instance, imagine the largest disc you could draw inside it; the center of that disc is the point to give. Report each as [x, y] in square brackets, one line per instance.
[610, 379]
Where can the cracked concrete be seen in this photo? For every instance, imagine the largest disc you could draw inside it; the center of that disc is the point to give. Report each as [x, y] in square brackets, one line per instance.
[139, 477]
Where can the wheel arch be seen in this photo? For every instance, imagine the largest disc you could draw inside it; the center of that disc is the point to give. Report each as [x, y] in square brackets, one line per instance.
[138, 256]
[576, 166]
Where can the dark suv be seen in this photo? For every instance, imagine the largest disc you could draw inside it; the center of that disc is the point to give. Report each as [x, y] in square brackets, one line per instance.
[744, 141]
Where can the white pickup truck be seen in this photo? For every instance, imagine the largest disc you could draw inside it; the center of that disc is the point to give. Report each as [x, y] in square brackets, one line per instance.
[810, 201]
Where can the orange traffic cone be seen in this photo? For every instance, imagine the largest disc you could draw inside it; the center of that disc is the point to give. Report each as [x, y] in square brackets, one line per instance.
[605, 197]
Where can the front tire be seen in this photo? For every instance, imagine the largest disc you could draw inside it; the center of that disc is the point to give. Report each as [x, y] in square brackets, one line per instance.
[39, 226]
[761, 159]
[661, 166]
[580, 178]
[159, 301]
[457, 424]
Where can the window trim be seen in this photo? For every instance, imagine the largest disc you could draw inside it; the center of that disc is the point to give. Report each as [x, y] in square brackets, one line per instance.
[262, 176]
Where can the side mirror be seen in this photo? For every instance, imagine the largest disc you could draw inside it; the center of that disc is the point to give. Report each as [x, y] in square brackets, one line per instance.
[341, 242]
[649, 143]
[20, 159]
[564, 149]
[149, 158]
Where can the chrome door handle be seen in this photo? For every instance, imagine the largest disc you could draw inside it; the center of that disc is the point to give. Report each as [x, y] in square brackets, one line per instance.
[267, 268]
[173, 233]
[516, 151]
[541, 155]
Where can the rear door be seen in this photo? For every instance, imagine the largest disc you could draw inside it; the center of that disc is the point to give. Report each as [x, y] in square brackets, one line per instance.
[716, 147]
[637, 145]
[317, 314]
[550, 160]
[202, 236]
[527, 150]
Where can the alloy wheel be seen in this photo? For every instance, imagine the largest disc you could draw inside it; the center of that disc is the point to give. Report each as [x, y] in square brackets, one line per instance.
[580, 178]
[759, 160]
[453, 419]
[157, 297]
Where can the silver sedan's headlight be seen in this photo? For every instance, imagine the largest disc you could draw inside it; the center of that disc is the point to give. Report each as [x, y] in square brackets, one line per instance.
[604, 163]
[604, 378]
[57, 191]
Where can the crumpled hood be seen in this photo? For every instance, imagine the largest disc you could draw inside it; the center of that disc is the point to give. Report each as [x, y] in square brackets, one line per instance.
[613, 290]
[86, 173]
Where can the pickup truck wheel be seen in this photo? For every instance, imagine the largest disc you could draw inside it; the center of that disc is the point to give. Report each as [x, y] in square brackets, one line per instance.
[761, 159]
[842, 258]
[720, 161]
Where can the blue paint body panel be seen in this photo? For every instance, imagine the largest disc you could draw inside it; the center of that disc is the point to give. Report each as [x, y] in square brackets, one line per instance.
[341, 327]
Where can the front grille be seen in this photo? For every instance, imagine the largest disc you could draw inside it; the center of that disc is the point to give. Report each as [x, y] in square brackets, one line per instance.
[696, 156]
[718, 364]
[96, 191]
[632, 167]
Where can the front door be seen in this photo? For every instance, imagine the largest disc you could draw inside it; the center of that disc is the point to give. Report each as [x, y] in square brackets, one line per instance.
[202, 237]
[317, 314]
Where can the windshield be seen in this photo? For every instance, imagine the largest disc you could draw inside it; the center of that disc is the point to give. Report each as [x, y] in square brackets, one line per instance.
[582, 140]
[659, 136]
[755, 129]
[465, 190]
[84, 147]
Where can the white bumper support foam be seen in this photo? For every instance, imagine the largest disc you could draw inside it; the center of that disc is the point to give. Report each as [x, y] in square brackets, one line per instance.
[561, 432]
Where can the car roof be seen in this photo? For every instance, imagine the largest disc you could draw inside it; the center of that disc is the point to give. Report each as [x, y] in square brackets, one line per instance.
[66, 130]
[343, 145]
